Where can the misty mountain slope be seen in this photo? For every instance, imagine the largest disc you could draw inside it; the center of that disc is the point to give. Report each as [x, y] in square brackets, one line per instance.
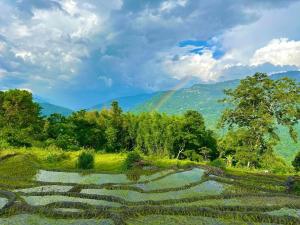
[127, 103]
[48, 109]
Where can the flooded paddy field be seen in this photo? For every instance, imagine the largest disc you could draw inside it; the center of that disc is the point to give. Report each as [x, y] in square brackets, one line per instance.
[175, 196]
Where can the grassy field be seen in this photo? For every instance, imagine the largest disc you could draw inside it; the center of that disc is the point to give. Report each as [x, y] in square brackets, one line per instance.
[39, 186]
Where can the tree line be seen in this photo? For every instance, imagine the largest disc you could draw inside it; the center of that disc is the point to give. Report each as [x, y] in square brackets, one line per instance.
[250, 123]
[111, 129]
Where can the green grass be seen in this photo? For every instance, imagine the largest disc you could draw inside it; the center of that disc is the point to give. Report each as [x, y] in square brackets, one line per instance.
[17, 170]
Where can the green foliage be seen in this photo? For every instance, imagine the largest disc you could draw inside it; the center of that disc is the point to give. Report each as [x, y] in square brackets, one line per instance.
[66, 142]
[220, 163]
[258, 106]
[85, 160]
[56, 158]
[193, 135]
[193, 156]
[204, 98]
[4, 144]
[131, 159]
[20, 120]
[274, 164]
[296, 162]
[248, 142]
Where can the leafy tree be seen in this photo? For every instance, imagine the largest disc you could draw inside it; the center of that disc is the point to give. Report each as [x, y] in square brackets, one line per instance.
[88, 129]
[57, 124]
[20, 120]
[114, 128]
[257, 106]
[150, 134]
[296, 162]
[194, 136]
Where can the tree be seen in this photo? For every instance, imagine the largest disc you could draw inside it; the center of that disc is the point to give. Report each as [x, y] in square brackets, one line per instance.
[194, 136]
[114, 128]
[20, 119]
[55, 125]
[154, 134]
[257, 106]
[296, 162]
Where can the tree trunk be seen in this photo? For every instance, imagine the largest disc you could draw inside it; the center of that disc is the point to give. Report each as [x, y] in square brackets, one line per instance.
[180, 151]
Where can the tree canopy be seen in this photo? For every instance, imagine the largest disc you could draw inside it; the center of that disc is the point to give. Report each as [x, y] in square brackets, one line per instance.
[256, 108]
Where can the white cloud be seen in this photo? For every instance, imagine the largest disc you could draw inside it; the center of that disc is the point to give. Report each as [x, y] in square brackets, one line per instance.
[202, 66]
[53, 41]
[169, 5]
[107, 80]
[279, 52]
[25, 55]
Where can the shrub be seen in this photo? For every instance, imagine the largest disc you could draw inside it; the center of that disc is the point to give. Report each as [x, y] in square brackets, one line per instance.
[218, 163]
[54, 158]
[66, 142]
[4, 144]
[296, 162]
[193, 156]
[132, 158]
[17, 137]
[273, 163]
[85, 160]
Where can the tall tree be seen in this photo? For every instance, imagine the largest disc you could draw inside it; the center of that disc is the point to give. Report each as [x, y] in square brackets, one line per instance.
[20, 119]
[114, 128]
[258, 105]
[193, 136]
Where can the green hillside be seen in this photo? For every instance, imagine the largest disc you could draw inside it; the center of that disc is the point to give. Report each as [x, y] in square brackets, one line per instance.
[204, 98]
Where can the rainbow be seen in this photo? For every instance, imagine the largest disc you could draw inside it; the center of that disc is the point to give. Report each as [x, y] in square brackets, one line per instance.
[165, 97]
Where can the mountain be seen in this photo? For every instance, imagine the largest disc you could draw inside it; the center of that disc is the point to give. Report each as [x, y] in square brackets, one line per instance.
[48, 108]
[126, 103]
[205, 99]
[290, 74]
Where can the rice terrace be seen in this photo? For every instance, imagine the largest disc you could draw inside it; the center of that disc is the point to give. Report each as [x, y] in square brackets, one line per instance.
[181, 194]
[149, 112]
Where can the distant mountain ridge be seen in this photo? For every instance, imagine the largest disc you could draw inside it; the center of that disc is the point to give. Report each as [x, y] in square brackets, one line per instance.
[48, 108]
[126, 103]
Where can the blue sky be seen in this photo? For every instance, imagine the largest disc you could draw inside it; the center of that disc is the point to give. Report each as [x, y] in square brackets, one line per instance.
[80, 53]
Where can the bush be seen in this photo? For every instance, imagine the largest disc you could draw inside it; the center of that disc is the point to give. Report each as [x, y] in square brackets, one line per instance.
[218, 163]
[132, 158]
[4, 144]
[193, 156]
[66, 142]
[85, 160]
[296, 162]
[273, 163]
[17, 137]
[55, 158]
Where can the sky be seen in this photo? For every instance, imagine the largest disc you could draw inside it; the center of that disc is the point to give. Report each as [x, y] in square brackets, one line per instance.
[80, 53]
